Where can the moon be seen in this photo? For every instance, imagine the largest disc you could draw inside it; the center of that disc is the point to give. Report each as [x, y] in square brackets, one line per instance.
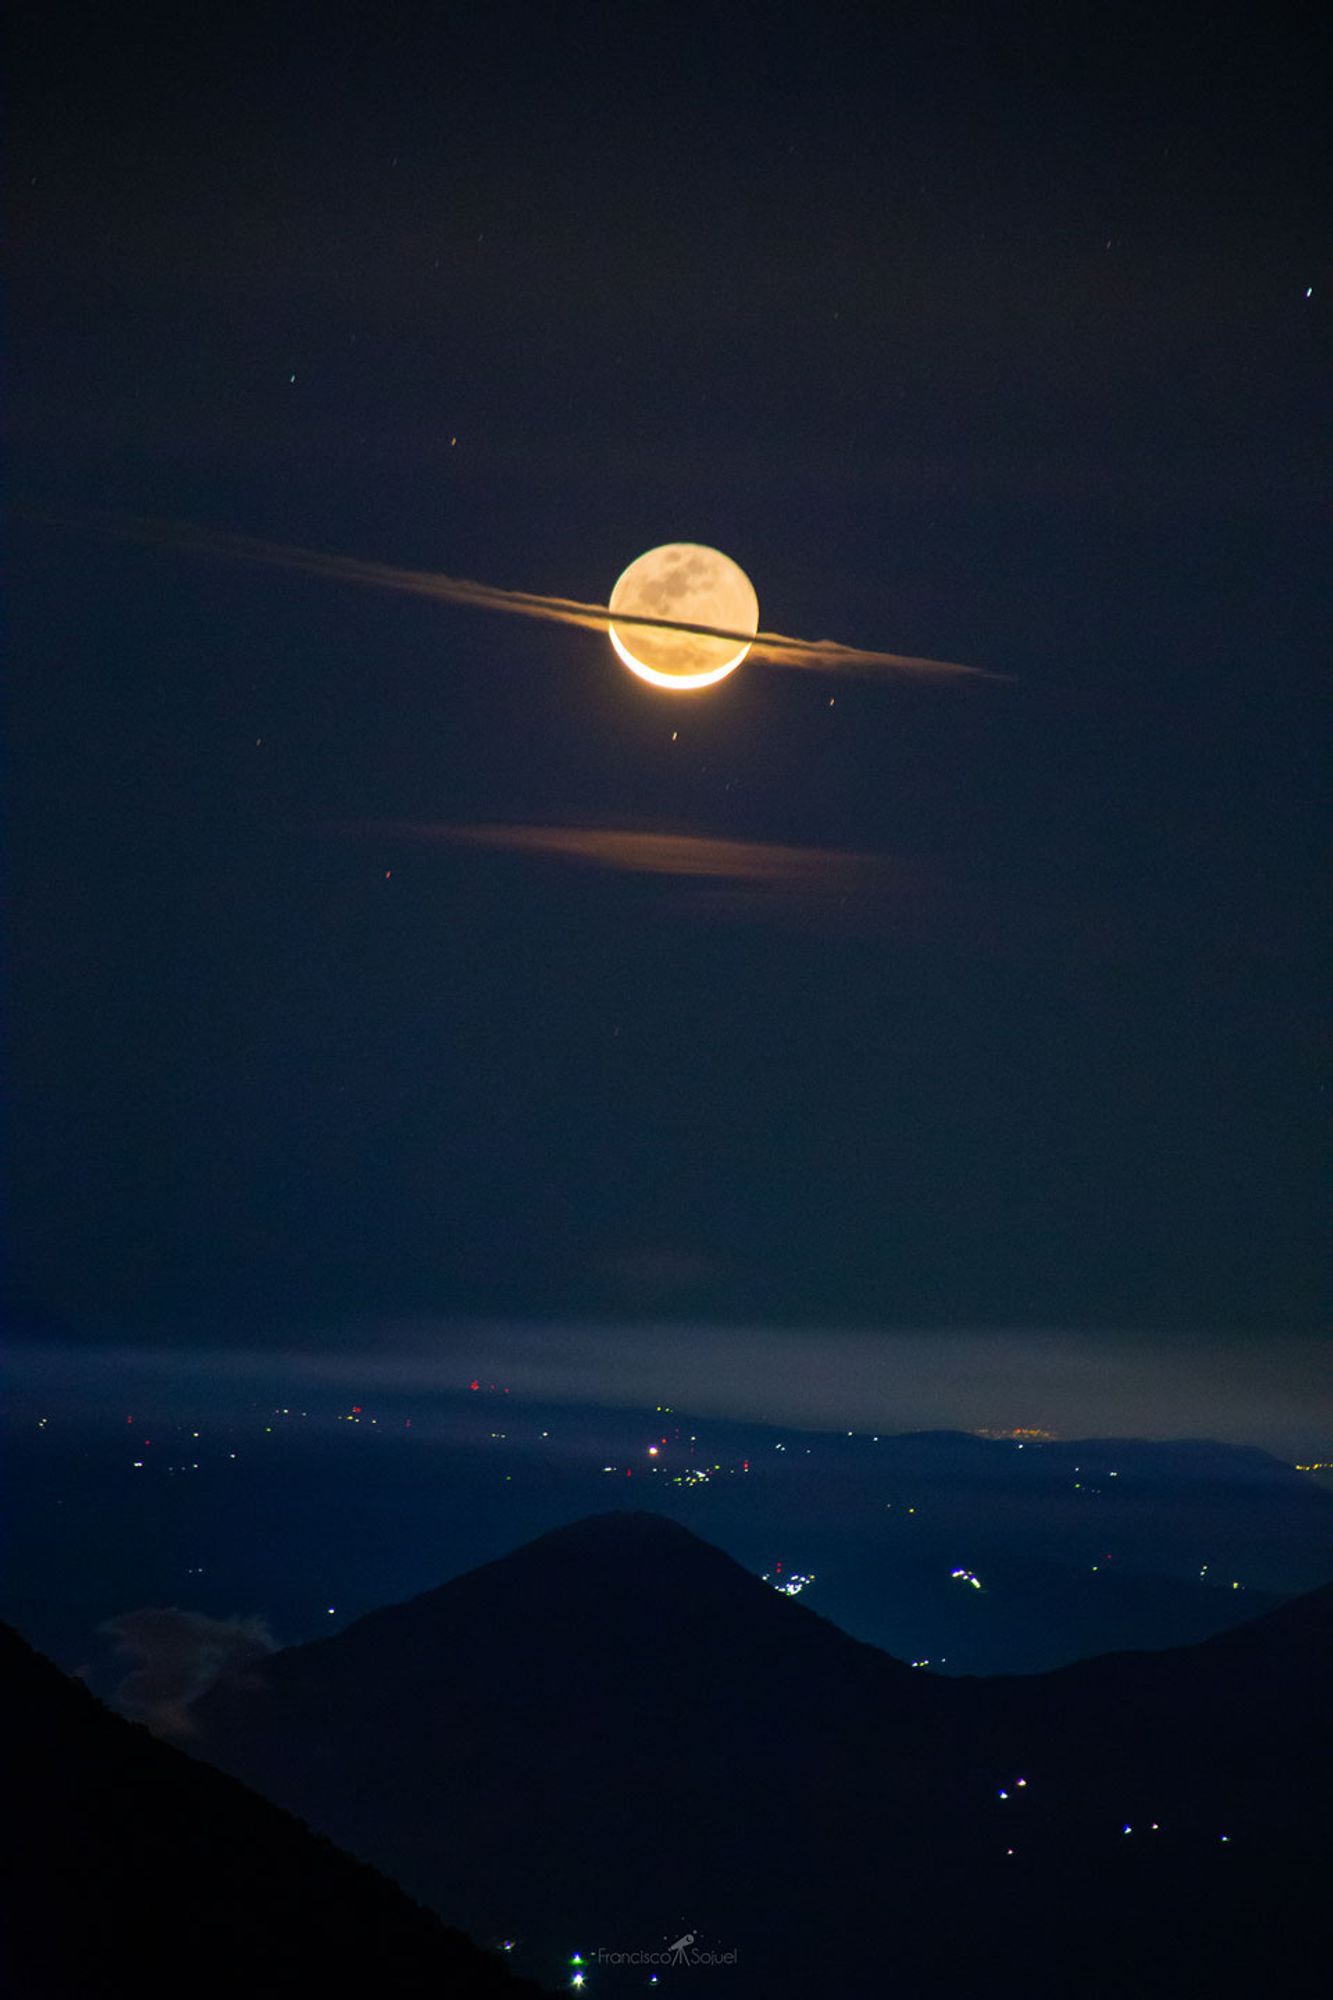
[695, 586]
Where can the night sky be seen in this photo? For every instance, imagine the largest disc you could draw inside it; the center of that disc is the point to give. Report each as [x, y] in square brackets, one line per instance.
[998, 337]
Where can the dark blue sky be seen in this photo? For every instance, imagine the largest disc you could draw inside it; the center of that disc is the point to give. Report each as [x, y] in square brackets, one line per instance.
[978, 337]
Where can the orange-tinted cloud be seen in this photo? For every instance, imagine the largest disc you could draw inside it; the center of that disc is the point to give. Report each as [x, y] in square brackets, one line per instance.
[701, 856]
[774, 647]
[712, 877]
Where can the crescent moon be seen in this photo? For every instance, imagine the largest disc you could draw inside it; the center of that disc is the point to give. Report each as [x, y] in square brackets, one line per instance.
[692, 585]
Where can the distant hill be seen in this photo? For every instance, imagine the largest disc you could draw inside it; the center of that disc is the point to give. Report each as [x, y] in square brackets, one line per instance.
[1082, 1548]
[128, 1868]
[616, 1735]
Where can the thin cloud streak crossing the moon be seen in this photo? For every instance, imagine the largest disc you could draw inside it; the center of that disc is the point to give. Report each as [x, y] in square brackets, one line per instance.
[828, 655]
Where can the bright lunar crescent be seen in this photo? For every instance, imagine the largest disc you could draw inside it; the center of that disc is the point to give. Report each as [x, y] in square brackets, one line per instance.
[693, 586]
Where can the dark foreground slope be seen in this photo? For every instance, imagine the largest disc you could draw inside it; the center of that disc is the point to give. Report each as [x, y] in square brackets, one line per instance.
[128, 1868]
[1227, 1737]
[616, 1735]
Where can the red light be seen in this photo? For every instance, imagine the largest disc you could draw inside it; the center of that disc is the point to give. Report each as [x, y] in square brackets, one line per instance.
[476, 1385]
[356, 1409]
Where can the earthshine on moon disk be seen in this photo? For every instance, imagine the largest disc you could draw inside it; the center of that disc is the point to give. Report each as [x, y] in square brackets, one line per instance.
[694, 586]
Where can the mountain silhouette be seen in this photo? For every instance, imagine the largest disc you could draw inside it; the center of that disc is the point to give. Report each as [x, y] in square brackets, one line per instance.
[129, 1868]
[616, 1733]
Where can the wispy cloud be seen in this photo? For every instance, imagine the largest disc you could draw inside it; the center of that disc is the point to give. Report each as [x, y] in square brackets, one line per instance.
[179, 1656]
[682, 854]
[828, 655]
[713, 876]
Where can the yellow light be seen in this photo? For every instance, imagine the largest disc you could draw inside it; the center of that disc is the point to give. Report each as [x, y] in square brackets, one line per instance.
[694, 586]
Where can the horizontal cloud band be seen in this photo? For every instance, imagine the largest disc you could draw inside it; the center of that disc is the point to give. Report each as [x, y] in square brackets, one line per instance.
[776, 647]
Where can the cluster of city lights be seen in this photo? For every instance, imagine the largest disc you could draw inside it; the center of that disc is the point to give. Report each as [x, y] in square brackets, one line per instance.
[791, 1585]
[1020, 1434]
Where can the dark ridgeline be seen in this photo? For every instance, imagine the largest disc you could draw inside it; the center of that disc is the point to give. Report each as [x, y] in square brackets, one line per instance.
[616, 1734]
[127, 1868]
